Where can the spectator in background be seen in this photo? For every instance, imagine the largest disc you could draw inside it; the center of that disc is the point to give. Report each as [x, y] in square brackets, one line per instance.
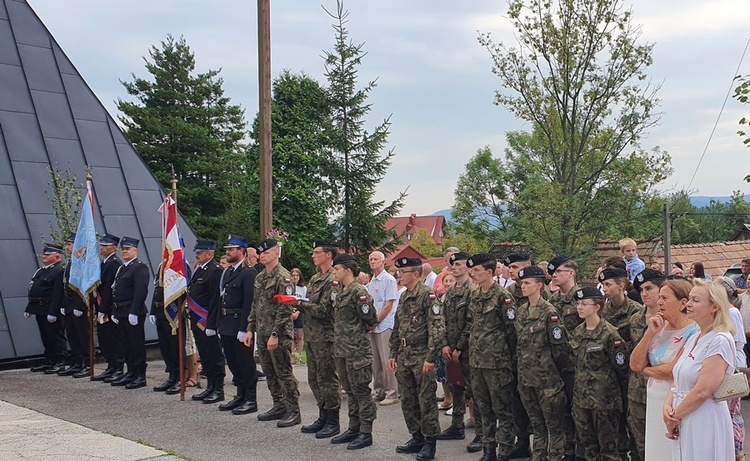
[655, 265]
[223, 262]
[678, 270]
[697, 271]
[438, 287]
[429, 276]
[300, 292]
[363, 278]
[384, 291]
[741, 280]
[502, 277]
[633, 264]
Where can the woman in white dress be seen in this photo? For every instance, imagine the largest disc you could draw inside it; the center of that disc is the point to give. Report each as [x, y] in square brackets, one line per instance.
[657, 352]
[701, 425]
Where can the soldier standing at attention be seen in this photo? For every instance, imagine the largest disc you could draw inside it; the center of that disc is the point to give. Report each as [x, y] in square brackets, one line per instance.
[542, 362]
[319, 346]
[354, 317]
[168, 344]
[601, 363]
[418, 337]
[45, 301]
[76, 322]
[236, 289]
[204, 302]
[272, 322]
[129, 292]
[110, 342]
[492, 337]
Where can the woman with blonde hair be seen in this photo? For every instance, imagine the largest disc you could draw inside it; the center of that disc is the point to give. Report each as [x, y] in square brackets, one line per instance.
[701, 425]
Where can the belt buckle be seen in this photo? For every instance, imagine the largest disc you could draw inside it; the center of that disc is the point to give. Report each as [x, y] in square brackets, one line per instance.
[403, 342]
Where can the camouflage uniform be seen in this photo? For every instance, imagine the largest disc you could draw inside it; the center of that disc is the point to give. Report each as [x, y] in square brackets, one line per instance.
[318, 332]
[267, 317]
[492, 337]
[418, 336]
[521, 422]
[543, 353]
[636, 415]
[456, 307]
[601, 363]
[619, 317]
[354, 315]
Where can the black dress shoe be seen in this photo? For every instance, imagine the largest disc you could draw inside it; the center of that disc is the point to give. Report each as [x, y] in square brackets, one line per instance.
[272, 414]
[70, 371]
[347, 437]
[169, 383]
[236, 401]
[452, 433]
[363, 440]
[55, 369]
[116, 376]
[290, 419]
[316, 425]
[43, 367]
[125, 380]
[108, 373]
[475, 445]
[427, 452]
[414, 445]
[246, 408]
[521, 449]
[84, 373]
[137, 383]
[489, 453]
[174, 389]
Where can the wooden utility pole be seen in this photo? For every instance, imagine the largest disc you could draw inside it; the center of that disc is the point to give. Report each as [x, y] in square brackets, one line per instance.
[667, 240]
[264, 85]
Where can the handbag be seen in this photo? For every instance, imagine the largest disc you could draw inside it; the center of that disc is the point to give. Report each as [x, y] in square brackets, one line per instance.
[732, 386]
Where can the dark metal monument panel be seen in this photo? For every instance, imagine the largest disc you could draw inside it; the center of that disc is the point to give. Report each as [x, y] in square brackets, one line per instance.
[6, 174]
[14, 278]
[66, 67]
[53, 112]
[40, 68]
[27, 28]
[15, 92]
[22, 136]
[83, 103]
[139, 177]
[8, 54]
[67, 155]
[97, 144]
[33, 181]
[13, 225]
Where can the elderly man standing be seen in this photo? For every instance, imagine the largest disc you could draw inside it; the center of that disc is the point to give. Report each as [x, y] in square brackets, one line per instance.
[384, 291]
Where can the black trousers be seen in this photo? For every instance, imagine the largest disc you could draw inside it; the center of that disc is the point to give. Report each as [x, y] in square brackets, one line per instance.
[209, 350]
[77, 329]
[111, 343]
[134, 341]
[168, 345]
[53, 338]
[241, 362]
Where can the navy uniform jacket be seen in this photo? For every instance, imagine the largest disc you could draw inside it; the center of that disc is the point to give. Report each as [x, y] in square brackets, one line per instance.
[109, 269]
[130, 289]
[204, 289]
[237, 299]
[71, 299]
[46, 291]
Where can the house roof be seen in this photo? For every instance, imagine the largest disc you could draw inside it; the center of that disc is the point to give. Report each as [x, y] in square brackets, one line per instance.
[408, 251]
[403, 225]
[503, 249]
[716, 257]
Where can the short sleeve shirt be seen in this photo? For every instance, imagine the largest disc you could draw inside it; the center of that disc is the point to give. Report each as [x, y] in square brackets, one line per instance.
[383, 288]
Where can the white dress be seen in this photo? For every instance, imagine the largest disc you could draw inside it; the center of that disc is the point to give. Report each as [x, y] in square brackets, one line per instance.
[706, 433]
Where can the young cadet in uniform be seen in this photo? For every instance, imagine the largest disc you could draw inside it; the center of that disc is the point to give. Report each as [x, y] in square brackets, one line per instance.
[542, 362]
[168, 344]
[456, 313]
[45, 301]
[272, 321]
[319, 347]
[601, 362]
[204, 303]
[76, 322]
[110, 341]
[417, 339]
[237, 292]
[354, 317]
[618, 311]
[129, 292]
[492, 337]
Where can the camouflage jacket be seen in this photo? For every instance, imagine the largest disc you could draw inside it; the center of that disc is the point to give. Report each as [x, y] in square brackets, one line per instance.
[601, 362]
[318, 326]
[353, 316]
[519, 299]
[492, 335]
[419, 329]
[637, 381]
[543, 350]
[267, 316]
[456, 313]
[566, 307]
[619, 317]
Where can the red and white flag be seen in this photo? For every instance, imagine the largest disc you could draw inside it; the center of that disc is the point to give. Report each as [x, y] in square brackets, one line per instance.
[173, 267]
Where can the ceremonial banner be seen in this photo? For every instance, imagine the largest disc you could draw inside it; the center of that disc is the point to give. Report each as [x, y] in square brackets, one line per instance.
[173, 268]
[85, 267]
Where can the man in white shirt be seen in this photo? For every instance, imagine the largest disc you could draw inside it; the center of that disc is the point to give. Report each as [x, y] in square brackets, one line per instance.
[384, 291]
[429, 276]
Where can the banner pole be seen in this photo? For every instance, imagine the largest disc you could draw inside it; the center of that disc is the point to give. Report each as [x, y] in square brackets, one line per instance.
[180, 307]
[91, 309]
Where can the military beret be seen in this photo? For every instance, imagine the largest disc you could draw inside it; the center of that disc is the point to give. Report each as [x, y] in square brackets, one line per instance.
[325, 243]
[460, 256]
[612, 273]
[51, 248]
[343, 258]
[201, 245]
[129, 242]
[407, 262]
[648, 275]
[588, 293]
[71, 237]
[109, 239]
[480, 258]
[235, 241]
[556, 262]
[531, 272]
[266, 244]
[516, 257]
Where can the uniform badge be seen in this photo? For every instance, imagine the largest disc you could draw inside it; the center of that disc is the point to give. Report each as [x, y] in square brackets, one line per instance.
[436, 309]
[579, 293]
[335, 283]
[618, 343]
[551, 268]
[433, 297]
[511, 313]
[363, 298]
[520, 273]
[640, 278]
[508, 301]
[333, 296]
[554, 318]
[557, 333]
[365, 309]
[289, 290]
[287, 280]
[620, 358]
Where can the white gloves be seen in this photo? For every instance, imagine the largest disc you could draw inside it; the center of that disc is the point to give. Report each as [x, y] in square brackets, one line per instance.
[241, 336]
[26, 315]
[100, 317]
[133, 319]
[152, 319]
[51, 318]
[77, 313]
[112, 318]
[210, 332]
[62, 310]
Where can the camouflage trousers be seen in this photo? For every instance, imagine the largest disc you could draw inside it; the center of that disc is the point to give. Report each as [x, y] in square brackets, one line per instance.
[521, 423]
[492, 391]
[597, 433]
[545, 408]
[321, 375]
[355, 376]
[417, 392]
[637, 429]
[277, 366]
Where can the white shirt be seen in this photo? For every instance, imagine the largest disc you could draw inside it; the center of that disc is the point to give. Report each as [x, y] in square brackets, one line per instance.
[739, 336]
[383, 288]
[430, 279]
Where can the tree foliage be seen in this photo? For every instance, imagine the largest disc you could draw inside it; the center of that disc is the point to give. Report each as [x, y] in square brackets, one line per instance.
[65, 199]
[182, 118]
[742, 94]
[423, 243]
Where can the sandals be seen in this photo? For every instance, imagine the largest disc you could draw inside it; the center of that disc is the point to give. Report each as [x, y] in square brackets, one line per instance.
[443, 407]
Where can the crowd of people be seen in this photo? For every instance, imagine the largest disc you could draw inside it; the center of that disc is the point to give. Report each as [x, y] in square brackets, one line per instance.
[623, 370]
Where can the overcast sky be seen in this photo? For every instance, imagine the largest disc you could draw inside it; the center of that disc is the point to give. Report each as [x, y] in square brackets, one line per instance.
[433, 77]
